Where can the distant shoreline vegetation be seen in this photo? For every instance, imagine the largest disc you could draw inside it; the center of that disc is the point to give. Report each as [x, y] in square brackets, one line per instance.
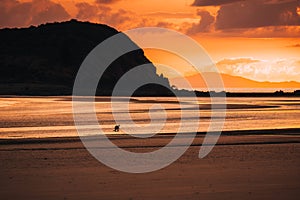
[53, 91]
[279, 93]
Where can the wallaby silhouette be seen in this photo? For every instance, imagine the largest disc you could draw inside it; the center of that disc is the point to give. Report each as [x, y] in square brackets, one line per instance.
[117, 128]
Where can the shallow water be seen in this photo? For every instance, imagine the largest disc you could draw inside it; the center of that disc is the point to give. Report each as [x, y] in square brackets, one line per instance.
[27, 117]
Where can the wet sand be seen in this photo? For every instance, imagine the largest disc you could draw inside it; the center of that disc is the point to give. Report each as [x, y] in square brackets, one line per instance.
[260, 166]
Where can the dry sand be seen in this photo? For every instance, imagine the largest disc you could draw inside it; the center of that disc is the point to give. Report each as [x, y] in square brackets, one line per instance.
[239, 167]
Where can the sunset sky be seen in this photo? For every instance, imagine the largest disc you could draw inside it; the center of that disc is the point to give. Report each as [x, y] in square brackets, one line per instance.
[256, 39]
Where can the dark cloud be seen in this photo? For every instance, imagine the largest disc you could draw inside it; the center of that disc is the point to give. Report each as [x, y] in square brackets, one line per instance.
[294, 45]
[47, 11]
[106, 1]
[13, 13]
[276, 1]
[103, 14]
[170, 14]
[204, 24]
[212, 2]
[222, 2]
[257, 13]
[163, 24]
[86, 11]
[20, 14]
[117, 18]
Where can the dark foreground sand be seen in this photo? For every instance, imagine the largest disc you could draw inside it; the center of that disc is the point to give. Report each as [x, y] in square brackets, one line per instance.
[239, 167]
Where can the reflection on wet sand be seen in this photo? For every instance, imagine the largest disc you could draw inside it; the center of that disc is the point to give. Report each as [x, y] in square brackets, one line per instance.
[26, 117]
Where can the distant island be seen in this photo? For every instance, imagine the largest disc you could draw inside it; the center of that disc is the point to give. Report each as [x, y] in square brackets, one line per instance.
[44, 60]
[237, 82]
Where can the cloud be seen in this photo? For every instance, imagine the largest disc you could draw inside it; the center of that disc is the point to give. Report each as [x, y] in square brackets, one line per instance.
[170, 14]
[257, 13]
[294, 45]
[276, 1]
[86, 11]
[252, 18]
[270, 31]
[222, 2]
[104, 14]
[212, 2]
[237, 61]
[260, 70]
[47, 11]
[204, 24]
[123, 20]
[119, 18]
[20, 14]
[106, 1]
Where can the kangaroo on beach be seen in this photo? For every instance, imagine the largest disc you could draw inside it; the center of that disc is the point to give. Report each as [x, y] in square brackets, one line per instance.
[117, 128]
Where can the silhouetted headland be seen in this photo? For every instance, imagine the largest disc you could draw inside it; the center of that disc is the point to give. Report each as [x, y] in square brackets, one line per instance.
[44, 60]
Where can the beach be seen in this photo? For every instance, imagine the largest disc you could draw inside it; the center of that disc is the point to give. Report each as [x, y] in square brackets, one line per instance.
[64, 169]
[42, 157]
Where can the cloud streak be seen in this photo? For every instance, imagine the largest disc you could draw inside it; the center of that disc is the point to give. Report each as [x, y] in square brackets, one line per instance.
[213, 3]
[295, 45]
[106, 1]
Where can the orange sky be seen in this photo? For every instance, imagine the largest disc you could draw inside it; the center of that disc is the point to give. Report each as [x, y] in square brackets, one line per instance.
[256, 39]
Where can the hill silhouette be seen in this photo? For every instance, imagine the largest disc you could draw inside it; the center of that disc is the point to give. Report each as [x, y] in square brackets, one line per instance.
[230, 81]
[44, 60]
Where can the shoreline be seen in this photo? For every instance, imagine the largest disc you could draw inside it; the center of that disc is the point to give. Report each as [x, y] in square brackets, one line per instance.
[227, 138]
[275, 132]
[205, 94]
